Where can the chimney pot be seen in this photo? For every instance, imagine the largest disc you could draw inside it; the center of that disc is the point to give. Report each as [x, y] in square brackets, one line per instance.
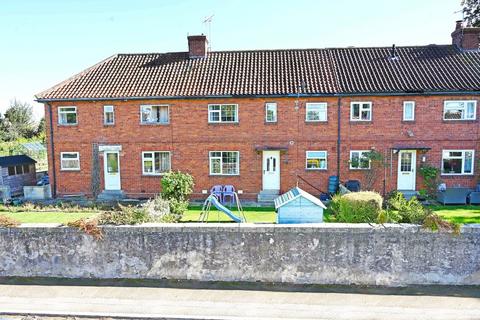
[197, 46]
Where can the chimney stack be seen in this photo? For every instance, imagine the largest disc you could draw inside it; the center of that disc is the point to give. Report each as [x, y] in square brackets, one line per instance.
[197, 46]
[466, 38]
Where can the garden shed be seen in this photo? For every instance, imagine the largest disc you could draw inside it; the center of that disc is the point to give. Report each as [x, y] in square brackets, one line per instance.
[299, 206]
[16, 172]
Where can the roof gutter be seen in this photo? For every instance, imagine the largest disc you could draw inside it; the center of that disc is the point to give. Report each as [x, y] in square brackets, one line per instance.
[375, 94]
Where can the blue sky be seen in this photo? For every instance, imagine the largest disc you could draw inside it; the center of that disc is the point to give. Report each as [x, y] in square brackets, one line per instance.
[45, 41]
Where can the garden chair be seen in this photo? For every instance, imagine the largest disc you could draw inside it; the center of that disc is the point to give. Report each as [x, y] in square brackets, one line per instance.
[217, 190]
[229, 191]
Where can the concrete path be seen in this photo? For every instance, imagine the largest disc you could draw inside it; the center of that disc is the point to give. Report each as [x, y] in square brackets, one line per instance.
[140, 302]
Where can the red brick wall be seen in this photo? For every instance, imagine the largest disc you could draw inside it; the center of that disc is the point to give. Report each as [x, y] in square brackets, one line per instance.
[190, 137]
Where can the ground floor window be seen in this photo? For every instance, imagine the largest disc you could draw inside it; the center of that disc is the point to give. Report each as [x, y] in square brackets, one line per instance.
[456, 162]
[359, 159]
[224, 162]
[316, 160]
[20, 169]
[70, 161]
[156, 162]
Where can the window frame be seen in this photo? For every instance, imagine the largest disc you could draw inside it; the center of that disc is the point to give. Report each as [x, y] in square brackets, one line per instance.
[267, 104]
[59, 112]
[221, 163]
[413, 110]
[153, 163]
[311, 104]
[361, 103]
[360, 152]
[463, 151]
[316, 169]
[151, 122]
[105, 113]
[69, 169]
[465, 110]
[237, 117]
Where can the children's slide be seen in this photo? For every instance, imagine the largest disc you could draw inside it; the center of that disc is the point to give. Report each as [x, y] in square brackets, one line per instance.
[224, 209]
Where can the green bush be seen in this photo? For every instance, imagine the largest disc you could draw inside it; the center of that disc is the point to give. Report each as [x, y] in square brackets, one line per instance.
[177, 185]
[125, 215]
[409, 211]
[176, 188]
[358, 207]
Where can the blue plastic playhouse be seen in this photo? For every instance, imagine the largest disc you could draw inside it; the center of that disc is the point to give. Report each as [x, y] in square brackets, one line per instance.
[299, 206]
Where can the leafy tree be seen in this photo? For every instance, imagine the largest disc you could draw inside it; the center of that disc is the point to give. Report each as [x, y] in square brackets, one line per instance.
[40, 131]
[471, 11]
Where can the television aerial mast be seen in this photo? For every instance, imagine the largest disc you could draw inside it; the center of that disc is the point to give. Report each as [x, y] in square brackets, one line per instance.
[208, 24]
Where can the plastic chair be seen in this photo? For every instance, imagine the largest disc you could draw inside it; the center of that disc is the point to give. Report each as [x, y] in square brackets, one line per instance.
[229, 191]
[217, 190]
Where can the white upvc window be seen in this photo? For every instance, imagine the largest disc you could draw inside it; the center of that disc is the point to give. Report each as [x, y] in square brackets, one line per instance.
[154, 114]
[67, 115]
[156, 163]
[408, 110]
[361, 111]
[224, 163]
[270, 112]
[359, 159]
[460, 110]
[70, 161]
[457, 162]
[222, 113]
[316, 112]
[108, 115]
[316, 160]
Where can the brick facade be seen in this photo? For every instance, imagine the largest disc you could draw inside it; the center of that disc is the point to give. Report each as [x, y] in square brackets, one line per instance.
[190, 137]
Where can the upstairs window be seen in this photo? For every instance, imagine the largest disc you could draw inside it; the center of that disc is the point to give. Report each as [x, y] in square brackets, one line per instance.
[361, 111]
[316, 160]
[70, 161]
[67, 115]
[222, 113]
[359, 159]
[457, 162]
[108, 115]
[224, 163]
[154, 114]
[270, 112]
[316, 112]
[408, 111]
[155, 162]
[459, 110]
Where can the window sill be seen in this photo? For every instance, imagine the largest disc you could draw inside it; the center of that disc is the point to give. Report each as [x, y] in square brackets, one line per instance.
[69, 170]
[224, 175]
[459, 121]
[109, 124]
[359, 169]
[154, 123]
[467, 175]
[324, 170]
[361, 122]
[316, 122]
[223, 123]
[269, 123]
[67, 124]
[408, 121]
[153, 175]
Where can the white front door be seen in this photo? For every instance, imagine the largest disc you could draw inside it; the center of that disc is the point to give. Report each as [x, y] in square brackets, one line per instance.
[271, 170]
[407, 160]
[111, 165]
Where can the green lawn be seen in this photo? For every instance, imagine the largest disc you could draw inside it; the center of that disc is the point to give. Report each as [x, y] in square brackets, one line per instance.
[257, 215]
[47, 217]
[458, 214]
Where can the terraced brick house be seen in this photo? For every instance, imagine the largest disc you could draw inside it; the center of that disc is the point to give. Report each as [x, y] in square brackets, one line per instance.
[266, 120]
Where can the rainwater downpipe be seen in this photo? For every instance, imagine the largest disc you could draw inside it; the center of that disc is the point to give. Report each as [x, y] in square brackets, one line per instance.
[339, 139]
[53, 182]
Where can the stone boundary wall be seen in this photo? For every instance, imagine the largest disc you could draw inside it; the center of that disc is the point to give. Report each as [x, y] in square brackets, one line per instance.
[361, 254]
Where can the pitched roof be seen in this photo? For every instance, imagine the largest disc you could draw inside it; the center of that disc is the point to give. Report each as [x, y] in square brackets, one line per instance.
[434, 68]
[15, 160]
[295, 193]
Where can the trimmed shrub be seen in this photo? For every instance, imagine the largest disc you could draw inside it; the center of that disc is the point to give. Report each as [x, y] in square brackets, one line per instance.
[358, 207]
[89, 226]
